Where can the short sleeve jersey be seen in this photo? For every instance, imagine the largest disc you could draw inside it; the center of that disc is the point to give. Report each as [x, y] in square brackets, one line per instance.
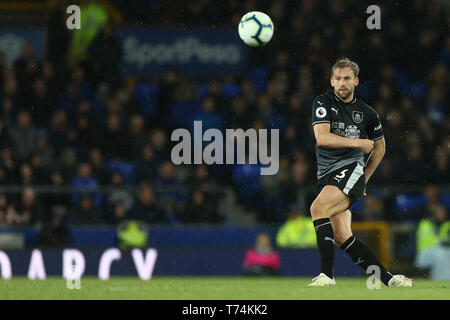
[354, 119]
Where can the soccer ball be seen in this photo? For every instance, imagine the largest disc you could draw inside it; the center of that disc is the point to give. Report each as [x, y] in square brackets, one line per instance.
[256, 28]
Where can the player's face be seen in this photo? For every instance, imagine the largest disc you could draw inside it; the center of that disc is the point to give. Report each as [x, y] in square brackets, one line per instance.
[344, 82]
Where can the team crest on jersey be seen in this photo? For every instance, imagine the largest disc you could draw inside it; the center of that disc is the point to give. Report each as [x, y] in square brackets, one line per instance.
[352, 132]
[357, 116]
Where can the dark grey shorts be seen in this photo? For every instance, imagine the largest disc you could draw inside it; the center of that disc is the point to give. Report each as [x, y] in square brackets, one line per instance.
[350, 179]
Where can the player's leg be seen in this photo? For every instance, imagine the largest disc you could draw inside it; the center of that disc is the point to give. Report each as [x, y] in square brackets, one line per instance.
[330, 201]
[359, 252]
[342, 226]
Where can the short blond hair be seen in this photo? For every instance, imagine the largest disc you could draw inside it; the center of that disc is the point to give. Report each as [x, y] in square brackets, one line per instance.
[345, 63]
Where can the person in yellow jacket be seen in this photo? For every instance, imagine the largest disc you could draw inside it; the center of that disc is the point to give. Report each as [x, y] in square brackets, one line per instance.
[131, 235]
[93, 17]
[434, 230]
[433, 244]
[297, 232]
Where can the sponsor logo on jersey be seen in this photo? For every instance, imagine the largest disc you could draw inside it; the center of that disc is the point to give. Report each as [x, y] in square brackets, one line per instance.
[358, 116]
[352, 132]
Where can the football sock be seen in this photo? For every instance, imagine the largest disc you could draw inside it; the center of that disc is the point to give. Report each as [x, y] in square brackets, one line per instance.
[325, 244]
[364, 257]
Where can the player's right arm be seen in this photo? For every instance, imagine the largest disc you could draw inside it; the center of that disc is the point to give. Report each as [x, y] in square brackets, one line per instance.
[321, 125]
[324, 138]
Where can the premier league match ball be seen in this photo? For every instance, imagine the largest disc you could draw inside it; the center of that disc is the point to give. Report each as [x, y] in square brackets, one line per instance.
[256, 29]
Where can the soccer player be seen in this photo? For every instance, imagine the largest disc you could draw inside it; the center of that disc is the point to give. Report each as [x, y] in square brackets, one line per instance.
[349, 146]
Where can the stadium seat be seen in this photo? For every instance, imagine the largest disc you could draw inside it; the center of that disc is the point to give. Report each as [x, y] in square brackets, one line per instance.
[258, 77]
[203, 89]
[145, 95]
[365, 89]
[230, 90]
[358, 206]
[404, 203]
[414, 90]
[182, 113]
[445, 200]
[125, 168]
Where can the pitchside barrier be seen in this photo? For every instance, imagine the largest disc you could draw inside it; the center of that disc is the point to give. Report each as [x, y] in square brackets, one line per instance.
[72, 263]
[172, 251]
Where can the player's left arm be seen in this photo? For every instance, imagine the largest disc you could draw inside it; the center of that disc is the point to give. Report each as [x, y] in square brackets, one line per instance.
[376, 134]
[379, 149]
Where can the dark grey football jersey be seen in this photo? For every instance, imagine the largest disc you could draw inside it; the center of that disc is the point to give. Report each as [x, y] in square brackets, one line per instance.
[354, 119]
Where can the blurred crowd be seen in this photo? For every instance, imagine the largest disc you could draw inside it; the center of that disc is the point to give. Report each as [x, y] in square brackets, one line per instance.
[77, 122]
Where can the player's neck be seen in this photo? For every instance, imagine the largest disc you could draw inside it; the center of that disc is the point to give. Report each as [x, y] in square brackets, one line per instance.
[349, 99]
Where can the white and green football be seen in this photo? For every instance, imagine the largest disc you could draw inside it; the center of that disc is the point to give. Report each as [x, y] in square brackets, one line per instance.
[256, 28]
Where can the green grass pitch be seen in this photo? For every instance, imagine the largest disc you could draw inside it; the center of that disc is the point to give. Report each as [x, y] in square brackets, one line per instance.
[215, 288]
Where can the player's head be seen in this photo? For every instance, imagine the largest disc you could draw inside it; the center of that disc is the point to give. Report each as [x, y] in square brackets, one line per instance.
[344, 78]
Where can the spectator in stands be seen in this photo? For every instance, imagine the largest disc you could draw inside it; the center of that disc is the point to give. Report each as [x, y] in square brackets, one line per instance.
[298, 230]
[105, 54]
[26, 175]
[297, 179]
[116, 141]
[24, 136]
[209, 115]
[431, 194]
[119, 201]
[97, 162]
[262, 260]
[372, 210]
[55, 234]
[138, 137]
[117, 215]
[167, 180]
[146, 166]
[3, 210]
[200, 210]
[39, 171]
[26, 68]
[433, 244]
[58, 204]
[158, 139]
[85, 213]
[145, 207]
[95, 17]
[87, 182]
[248, 183]
[28, 210]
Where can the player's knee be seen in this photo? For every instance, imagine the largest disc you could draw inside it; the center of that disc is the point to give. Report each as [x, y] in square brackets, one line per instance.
[318, 209]
[340, 238]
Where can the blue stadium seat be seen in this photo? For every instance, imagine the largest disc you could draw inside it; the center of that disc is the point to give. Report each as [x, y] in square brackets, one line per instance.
[125, 168]
[258, 77]
[445, 200]
[182, 113]
[365, 89]
[404, 203]
[145, 95]
[415, 90]
[203, 89]
[231, 90]
[358, 206]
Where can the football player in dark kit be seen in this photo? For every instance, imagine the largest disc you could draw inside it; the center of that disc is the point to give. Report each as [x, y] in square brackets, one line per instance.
[349, 146]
